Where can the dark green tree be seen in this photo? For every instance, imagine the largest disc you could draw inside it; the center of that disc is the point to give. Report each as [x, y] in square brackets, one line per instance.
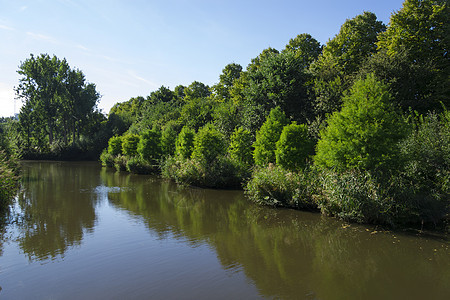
[185, 143]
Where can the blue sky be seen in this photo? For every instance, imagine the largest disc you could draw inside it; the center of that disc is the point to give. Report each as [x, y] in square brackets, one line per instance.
[130, 48]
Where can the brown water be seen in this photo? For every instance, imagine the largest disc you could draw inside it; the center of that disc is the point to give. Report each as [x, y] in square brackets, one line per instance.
[83, 232]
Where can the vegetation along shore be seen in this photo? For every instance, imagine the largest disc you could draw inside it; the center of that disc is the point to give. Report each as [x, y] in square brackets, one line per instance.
[358, 128]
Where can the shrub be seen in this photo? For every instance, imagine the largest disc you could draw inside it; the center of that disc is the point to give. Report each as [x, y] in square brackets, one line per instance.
[208, 144]
[223, 172]
[138, 165]
[293, 147]
[273, 185]
[149, 146]
[240, 148]
[107, 159]
[130, 144]
[120, 163]
[168, 139]
[185, 143]
[355, 196]
[365, 133]
[115, 145]
[8, 180]
[267, 136]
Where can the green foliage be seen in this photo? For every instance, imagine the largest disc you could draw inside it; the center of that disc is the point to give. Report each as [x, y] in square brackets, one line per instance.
[168, 139]
[107, 159]
[293, 147]
[341, 58]
[58, 104]
[138, 165]
[120, 162]
[223, 172]
[115, 145]
[418, 37]
[149, 146]
[197, 112]
[240, 148]
[184, 145]
[230, 73]
[267, 137]
[279, 81]
[8, 180]
[209, 143]
[129, 144]
[305, 47]
[273, 185]
[355, 196]
[365, 133]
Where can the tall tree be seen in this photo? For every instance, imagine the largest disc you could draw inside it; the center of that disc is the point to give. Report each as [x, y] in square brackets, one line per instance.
[341, 58]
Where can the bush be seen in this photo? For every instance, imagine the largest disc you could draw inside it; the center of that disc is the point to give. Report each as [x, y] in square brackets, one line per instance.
[8, 180]
[129, 144]
[223, 172]
[294, 147]
[208, 144]
[240, 148]
[149, 146]
[115, 145]
[185, 143]
[355, 196]
[107, 159]
[365, 133]
[120, 163]
[273, 185]
[267, 136]
[137, 165]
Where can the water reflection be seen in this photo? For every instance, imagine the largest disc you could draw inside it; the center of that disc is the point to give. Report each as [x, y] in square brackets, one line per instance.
[283, 253]
[289, 254]
[57, 207]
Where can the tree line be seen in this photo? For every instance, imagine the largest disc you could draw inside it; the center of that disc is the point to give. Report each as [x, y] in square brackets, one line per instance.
[357, 128]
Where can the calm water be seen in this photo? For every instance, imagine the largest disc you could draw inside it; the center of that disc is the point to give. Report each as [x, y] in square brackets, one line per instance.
[83, 232]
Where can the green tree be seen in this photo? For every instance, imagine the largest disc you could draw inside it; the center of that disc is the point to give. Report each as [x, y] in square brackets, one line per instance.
[230, 73]
[293, 147]
[168, 139]
[419, 34]
[185, 143]
[197, 90]
[130, 144]
[341, 58]
[305, 47]
[267, 137]
[209, 143]
[240, 148]
[366, 132]
[149, 146]
[115, 145]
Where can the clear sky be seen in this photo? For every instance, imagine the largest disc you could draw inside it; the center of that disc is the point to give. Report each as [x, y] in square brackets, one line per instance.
[130, 48]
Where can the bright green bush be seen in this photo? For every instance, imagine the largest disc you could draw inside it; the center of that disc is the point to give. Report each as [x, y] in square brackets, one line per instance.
[209, 143]
[115, 145]
[107, 159]
[130, 144]
[267, 136]
[365, 134]
[184, 145]
[149, 146]
[240, 148]
[273, 185]
[294, 147]
[168, 139]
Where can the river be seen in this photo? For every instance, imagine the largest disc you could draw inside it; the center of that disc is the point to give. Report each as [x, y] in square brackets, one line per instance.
[80, 231]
